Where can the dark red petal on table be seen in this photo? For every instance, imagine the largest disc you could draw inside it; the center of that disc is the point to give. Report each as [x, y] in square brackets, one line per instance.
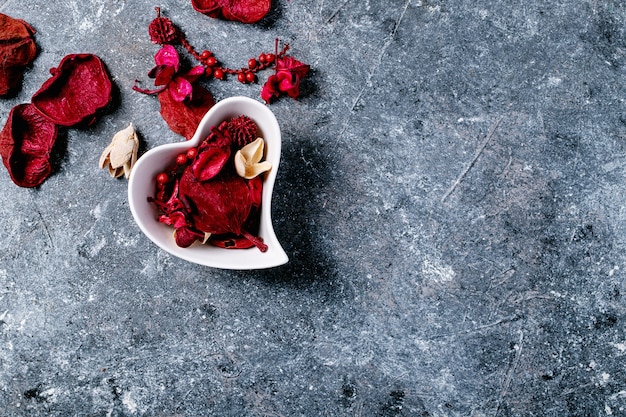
[77, 90]
[17, 50]
[209, 7]
[26, 142]
[183, 117]
[245, 11]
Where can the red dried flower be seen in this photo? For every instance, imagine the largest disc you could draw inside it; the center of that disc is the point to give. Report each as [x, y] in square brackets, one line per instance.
[17, 51]
[25, 145]
[77, 90]
[286, 80]
[245, 11]
[167, 77]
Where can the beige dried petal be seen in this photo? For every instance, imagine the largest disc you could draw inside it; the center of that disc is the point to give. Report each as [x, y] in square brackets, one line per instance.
[121, 154]
[247, 160]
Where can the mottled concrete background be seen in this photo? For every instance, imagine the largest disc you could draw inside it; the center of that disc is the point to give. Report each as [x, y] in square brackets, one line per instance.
[451, 196]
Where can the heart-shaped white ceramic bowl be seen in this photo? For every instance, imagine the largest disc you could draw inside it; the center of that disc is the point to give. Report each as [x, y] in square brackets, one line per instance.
[142, 184]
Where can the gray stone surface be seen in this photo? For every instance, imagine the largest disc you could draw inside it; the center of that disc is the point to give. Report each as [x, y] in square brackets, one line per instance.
[451, 196]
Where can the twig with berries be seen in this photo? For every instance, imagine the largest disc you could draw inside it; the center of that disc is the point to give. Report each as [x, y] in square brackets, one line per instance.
[163, 32]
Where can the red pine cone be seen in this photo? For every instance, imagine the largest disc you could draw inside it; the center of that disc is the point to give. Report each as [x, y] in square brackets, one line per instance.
[243, 130]
[162, 31]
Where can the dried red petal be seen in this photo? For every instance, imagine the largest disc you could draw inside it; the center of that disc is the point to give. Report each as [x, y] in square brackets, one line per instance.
[210, 8]
[26, 142]
[183, 117]
[230, 241]
[222, 205]
[210, 162]
[186, 236]
[245, 11]
[77, 90]
[17, 51]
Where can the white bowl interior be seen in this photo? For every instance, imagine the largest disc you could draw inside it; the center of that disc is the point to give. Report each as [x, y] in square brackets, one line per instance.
[141, 185]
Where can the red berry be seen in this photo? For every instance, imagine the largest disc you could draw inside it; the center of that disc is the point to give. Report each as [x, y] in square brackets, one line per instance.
[162, 178]
[218, 73]
[211, 61]
[208, 71]
[192, 153]
[252, 63]
[263, 58]
[181, 159]
[250, 77]
[205, 54]
[241, 77]
[270, 58]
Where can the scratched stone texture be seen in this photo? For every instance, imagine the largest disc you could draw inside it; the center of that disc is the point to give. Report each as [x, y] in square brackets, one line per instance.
[451, 196]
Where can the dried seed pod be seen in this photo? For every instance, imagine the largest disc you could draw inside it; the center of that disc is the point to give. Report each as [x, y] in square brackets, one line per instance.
[121, 154]
[162, 31]
[248, 160]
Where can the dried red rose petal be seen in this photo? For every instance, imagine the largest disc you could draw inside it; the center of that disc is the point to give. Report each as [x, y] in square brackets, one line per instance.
[210, 162]
[183, 117]
[245, 11]
[17, 51]
[25, 145]
[77, 90]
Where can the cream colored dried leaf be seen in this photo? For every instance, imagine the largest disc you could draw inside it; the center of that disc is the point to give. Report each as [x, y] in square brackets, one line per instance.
[121, 154]
[248, 160]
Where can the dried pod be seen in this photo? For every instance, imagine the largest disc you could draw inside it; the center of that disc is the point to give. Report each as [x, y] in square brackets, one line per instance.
[26, 142]
[17, 51]
[77, 90]
[248, 160]
[243, 130]
[121, 154]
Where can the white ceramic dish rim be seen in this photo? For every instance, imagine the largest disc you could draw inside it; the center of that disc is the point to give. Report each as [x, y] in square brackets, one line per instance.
[141, 184]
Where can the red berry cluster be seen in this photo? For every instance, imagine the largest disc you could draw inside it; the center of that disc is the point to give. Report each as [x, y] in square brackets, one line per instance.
[163, 178]
[163, 32]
